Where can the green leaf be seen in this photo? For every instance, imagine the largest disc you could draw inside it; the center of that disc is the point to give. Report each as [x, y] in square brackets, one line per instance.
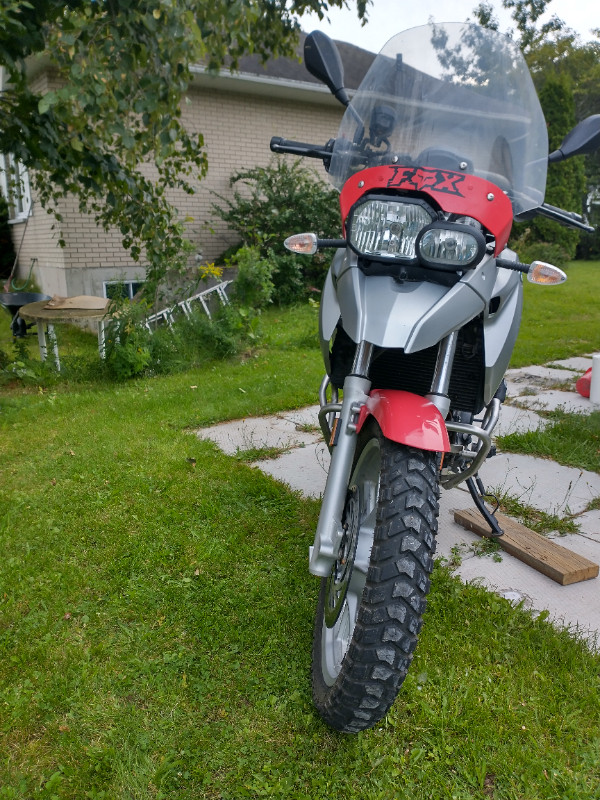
[47, 101]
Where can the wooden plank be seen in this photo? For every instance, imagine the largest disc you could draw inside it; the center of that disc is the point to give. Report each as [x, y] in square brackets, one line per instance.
[545, 555]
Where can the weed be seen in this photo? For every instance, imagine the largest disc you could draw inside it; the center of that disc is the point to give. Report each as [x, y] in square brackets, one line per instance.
[562, 366]
[593, 505]
[261, 453]
[307, 427]
[480, 548]
[487, 547]
[253, 286]
[539, 521]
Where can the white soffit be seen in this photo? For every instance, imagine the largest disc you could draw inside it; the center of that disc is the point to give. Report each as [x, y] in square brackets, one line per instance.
[265, 85]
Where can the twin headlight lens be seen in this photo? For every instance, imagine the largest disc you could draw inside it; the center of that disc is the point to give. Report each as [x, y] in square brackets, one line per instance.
[408, 231]
[387, 228]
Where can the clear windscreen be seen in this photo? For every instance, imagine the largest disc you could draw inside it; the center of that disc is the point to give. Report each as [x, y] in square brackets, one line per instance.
[453, 96]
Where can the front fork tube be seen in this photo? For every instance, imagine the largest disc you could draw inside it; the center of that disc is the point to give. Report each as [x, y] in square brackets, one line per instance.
[438, 394]
[329, 532]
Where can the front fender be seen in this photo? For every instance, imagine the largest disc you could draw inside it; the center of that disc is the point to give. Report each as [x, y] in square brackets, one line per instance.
[406, 418]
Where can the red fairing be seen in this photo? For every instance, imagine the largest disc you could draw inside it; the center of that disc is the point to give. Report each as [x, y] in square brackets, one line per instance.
[407, 418]
[454, 192]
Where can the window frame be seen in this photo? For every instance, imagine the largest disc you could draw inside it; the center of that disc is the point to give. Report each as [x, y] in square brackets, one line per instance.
[15, 187]
[126, 284]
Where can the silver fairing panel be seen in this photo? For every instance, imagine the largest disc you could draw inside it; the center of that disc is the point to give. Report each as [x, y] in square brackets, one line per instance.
[394, 314]
[502, 326]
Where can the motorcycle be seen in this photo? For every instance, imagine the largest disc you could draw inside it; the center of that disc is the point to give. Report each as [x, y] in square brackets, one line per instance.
[443, 145]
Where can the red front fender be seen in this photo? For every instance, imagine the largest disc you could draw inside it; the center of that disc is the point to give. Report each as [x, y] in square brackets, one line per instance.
[406, 418]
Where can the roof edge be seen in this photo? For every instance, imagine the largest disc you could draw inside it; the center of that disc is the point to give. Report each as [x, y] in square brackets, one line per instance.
[262, 85]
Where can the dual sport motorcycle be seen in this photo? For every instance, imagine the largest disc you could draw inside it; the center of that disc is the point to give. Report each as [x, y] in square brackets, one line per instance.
[442, 147]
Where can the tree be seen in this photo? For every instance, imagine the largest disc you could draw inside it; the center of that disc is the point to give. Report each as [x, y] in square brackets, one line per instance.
[560, 66]
[565, 186]
[526, 15]
[108, 130]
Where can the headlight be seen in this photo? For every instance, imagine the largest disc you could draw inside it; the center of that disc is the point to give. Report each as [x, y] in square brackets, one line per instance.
[450, 246]
[387, 228]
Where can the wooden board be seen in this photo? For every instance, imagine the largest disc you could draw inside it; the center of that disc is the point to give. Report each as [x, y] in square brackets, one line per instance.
[545, 555]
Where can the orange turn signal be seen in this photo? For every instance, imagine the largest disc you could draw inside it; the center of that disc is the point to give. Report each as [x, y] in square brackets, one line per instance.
[546, 274]
[305, 243]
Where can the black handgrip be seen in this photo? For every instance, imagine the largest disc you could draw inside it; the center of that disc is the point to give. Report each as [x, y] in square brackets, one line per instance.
[573, 214]
[280, 145]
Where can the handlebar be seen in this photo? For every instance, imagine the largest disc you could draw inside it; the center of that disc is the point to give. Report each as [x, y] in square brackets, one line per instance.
[280, 145]
[568, 218]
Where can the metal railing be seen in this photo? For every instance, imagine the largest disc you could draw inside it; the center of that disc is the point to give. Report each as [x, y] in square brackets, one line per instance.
[167, 315]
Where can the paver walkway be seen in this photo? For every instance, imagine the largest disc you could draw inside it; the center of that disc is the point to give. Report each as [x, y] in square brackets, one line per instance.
[536, 482]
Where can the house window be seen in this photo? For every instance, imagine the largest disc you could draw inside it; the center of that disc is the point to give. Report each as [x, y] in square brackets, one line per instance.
[125, 289]
[14, 184]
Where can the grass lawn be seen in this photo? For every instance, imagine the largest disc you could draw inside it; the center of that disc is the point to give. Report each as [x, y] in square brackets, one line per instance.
[560, 321]
[156, 614]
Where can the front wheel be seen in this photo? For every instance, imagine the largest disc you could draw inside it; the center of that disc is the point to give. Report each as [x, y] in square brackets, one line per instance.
[370, 608]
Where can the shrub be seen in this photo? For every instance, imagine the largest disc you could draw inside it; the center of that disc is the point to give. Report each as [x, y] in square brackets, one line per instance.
[133, 350]
[127, 339]
[253, 286]
[273, 203]
[529, 249]
[222, 336]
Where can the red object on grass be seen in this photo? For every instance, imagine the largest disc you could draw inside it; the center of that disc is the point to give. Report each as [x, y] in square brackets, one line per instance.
[583, 384]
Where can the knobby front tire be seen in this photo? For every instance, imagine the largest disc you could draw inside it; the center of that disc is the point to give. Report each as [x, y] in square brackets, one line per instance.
[370, 609]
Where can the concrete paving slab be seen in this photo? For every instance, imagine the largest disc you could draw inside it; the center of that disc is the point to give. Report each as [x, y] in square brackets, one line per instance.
[541, 483]
[282, 430]
[576, 606]
[553, 399]
[518, 420]
[542, 376]
[589, 524]
[450, 534]
[302, 417]
[514, 391]
[578, 363]
[303, 469]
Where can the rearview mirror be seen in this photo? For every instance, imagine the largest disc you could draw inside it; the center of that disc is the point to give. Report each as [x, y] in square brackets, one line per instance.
[584, 138]
[322, 60]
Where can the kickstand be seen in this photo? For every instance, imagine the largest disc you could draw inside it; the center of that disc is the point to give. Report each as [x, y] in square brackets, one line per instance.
[478, 493]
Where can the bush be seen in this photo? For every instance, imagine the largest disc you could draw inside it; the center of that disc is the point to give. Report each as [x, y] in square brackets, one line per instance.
[530, 249]
[127, 340]
[275, 202]
[229, 331]
[133, 350]
[253, 286]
